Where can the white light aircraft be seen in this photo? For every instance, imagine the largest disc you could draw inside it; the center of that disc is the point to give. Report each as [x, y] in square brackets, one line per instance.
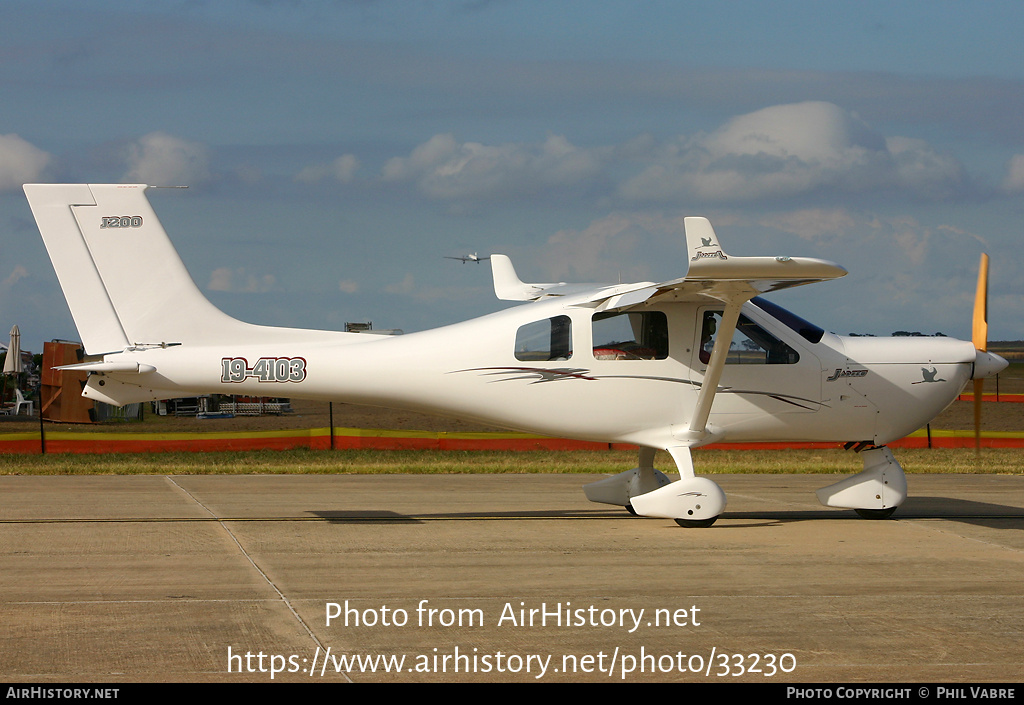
[673, 365]
[474, 257]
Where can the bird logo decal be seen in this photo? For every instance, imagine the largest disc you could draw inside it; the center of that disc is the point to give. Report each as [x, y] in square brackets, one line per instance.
[928, 376]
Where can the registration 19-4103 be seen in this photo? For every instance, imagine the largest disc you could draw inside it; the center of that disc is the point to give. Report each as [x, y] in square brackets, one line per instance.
[265, 369]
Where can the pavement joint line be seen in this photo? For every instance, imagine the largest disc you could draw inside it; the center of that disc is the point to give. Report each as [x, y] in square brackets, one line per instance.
[468, 598]
[767, 515]
[367, 519]
[284, 599]
[163, 600]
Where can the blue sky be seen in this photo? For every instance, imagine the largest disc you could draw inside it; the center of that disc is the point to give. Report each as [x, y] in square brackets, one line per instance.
[336, 151]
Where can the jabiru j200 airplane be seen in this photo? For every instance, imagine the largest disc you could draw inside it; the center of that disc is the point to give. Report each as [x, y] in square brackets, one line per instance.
[670, 365]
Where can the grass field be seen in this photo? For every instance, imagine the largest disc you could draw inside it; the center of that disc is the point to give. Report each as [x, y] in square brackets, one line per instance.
[301, 462]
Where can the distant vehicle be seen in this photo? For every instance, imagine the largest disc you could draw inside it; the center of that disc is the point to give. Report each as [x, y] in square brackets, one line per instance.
[670, 365]
[474, 257]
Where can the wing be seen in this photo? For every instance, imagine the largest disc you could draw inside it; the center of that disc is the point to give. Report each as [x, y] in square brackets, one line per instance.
[716, 275]
[712, 274]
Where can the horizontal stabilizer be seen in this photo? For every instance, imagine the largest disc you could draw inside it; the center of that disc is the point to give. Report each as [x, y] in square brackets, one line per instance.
[106, 367]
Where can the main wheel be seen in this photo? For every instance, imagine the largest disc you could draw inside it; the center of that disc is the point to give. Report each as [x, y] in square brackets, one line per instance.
[629, 508]
[875, 513]
[696, 523]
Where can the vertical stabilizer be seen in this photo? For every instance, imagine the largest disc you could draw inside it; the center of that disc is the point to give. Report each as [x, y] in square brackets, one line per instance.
[507, 284]
[122, 278]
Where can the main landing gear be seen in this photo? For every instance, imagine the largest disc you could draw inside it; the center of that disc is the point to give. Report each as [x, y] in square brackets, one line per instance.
[697, 502]
[644, 491]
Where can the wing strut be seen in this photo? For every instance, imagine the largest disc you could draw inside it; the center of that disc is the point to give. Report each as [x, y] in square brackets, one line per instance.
[730, 317]
[698, 501]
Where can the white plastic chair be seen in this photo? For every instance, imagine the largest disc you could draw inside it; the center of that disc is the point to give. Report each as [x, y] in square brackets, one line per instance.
[20, 401]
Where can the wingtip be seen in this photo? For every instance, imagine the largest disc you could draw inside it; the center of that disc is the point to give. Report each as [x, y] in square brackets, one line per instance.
[701, 240]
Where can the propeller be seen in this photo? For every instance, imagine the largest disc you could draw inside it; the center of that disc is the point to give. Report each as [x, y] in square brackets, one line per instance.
[979, 336]
[986, 364]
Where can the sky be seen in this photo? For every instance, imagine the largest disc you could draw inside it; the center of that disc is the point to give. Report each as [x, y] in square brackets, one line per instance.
[337, 151]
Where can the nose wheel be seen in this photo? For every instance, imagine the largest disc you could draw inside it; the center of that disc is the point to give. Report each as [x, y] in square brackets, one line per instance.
[874, 492]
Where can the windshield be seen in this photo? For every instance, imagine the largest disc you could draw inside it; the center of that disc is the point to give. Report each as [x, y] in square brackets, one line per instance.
[806, 329]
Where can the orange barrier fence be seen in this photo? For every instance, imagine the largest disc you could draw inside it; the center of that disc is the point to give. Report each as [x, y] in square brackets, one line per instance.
[352, 438]
[992, 396]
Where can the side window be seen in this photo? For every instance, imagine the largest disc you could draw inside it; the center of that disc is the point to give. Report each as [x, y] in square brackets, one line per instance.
[751, 344]
[630, 336]
[550, 339]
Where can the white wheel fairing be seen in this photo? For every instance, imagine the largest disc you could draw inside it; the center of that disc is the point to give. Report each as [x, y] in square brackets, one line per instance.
[880, 485]
[693, 498]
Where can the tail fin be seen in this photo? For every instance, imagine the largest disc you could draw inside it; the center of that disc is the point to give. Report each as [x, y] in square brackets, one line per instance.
[507, 284]
[122, 278]
[509, 287]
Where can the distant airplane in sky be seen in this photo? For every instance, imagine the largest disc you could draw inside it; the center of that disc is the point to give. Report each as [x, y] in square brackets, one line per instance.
[469, 258]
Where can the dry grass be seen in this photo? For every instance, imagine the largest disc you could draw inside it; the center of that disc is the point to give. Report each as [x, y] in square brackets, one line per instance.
[303, 461]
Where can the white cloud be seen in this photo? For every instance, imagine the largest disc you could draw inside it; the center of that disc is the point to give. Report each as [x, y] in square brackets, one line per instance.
[343, 169]
[238, 280]
[406, 286]
[349, 286]
[811, 132]
[425, 157]
[11, 279]
[619, 245]
[165, 160]
[1014, 181]
[777, 152]
[923, 171]
[812, 223]
[20, 162]
[788, 150]
[907, 235]
[903, 238]
[444, 168]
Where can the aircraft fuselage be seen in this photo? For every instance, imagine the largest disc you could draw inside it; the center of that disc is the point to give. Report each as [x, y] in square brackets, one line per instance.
[837, 389]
